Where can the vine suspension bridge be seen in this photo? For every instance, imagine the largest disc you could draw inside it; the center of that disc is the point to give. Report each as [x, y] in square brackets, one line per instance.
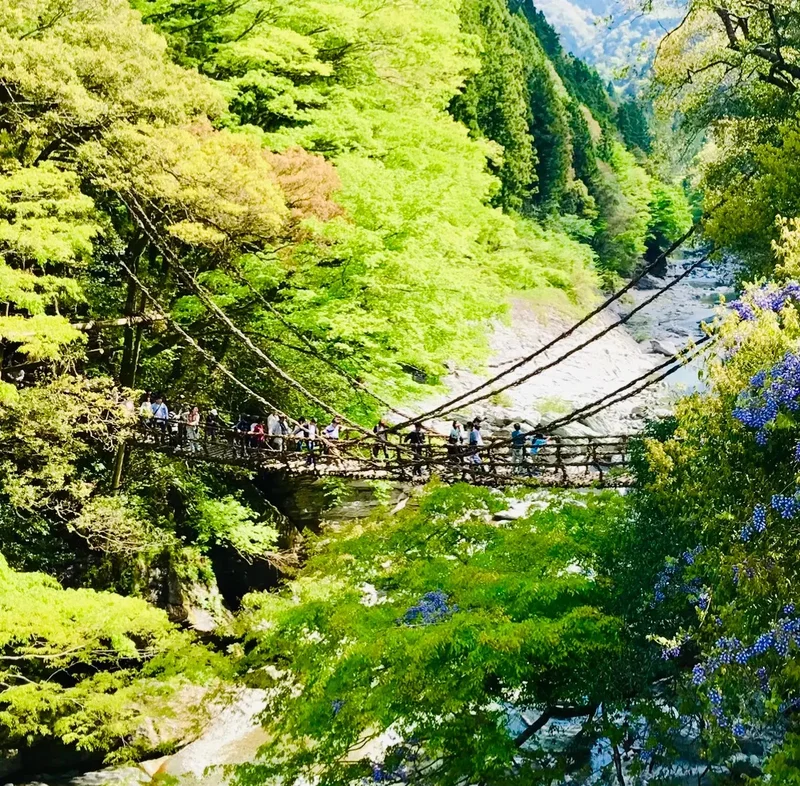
[563, 461]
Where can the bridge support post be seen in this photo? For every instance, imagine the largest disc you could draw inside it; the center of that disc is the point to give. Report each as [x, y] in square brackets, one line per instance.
[560, 465]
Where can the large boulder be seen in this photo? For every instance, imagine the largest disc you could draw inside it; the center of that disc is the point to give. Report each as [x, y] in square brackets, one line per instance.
[574, 430]
[651, 282]
[193, 597]
[233, 736]
[663, 347]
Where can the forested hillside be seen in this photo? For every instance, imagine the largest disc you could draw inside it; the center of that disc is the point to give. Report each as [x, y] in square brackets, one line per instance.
[316, 207]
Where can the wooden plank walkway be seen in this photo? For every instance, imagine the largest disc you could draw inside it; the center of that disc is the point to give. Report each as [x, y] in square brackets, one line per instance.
[564, 462]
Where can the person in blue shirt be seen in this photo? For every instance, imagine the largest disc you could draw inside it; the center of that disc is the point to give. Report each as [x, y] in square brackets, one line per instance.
[518, 438]
[454, 442]
[475, 444]
[160, 414]
[537, 443]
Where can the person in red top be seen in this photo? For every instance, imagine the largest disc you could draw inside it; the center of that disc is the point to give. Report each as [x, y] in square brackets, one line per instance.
[257, 435]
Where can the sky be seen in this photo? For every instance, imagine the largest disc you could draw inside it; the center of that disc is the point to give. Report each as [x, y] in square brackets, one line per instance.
[612, 35]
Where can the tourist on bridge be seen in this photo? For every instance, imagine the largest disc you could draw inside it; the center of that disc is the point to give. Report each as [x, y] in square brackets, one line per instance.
[381, 440]
[193, 430]
[145, 411]
[272, 420]
[311, 440]
[257, 434]
[277, 433]
[518, 440]
[416, 439]
[331, 436]
[454, 442]
[214, 423]
[475, 444]
[299, 435]
[241, 431]
[160, 414]
[538, 441]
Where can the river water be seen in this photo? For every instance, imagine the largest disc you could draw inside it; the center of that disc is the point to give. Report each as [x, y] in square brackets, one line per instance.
[675, 317]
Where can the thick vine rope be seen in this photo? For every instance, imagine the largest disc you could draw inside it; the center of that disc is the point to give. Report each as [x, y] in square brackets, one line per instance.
[140, 217]
[449, 407]
[457, 401]
[197, 347]
[689, 352]
[239, 276]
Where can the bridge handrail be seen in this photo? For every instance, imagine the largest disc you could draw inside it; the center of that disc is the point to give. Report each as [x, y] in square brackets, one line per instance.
[496, 461]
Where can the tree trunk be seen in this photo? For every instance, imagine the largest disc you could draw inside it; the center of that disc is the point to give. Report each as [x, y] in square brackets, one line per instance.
[131, 346]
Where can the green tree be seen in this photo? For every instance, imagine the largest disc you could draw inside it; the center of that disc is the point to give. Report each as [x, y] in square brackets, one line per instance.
[548, 118]
[87, 668]
[730, 73]
[495, 102]
[634, 126]
[438, 644]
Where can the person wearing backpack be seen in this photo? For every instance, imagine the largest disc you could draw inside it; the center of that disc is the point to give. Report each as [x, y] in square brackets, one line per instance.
[518, 439]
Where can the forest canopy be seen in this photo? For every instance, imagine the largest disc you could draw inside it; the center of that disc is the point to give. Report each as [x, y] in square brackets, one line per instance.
[279, 206]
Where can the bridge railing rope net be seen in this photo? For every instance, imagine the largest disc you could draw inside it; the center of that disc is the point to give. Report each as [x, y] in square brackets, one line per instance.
[561, 461]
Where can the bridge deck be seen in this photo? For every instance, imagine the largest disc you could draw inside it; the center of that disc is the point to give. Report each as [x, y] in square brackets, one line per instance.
[563, 462]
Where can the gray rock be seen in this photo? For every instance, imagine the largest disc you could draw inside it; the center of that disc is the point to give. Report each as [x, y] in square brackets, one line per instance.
[651, 282]
[663, 347]
[233, 737]
[120, 776]
[529, 418]
[195, 602]
[599, 424]
[574, 430]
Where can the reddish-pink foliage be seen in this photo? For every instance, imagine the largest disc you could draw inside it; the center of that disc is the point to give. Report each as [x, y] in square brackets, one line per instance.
[308, 182]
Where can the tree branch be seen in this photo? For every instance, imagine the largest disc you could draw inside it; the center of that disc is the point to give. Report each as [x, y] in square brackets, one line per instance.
[553, 713]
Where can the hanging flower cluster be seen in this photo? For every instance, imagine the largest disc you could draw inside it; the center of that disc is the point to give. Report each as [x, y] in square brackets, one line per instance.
[432, 608]
[768, 298]
[768, 393]
[730, 652]
[674, 568]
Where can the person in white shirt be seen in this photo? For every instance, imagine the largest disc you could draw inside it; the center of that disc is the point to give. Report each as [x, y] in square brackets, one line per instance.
[160, 414]
[331, 436]
[272, 419]
[276, 434]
